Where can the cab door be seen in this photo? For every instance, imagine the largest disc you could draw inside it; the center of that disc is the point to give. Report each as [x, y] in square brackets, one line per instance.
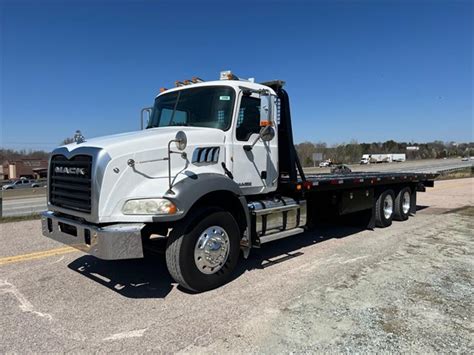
[255, 170]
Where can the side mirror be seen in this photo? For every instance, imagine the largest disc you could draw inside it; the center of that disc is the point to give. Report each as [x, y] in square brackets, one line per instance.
[267, 133]
[181, 140]
[265, 109]
[147, 110]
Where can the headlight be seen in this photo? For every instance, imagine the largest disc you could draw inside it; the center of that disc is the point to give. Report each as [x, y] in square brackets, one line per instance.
[149, 206]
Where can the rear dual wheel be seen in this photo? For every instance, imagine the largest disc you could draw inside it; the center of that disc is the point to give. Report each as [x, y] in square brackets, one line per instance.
[402, 205]
[389, 208]
[384, 209]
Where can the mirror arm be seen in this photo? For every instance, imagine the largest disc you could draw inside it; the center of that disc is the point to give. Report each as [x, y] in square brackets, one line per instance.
[249, 147]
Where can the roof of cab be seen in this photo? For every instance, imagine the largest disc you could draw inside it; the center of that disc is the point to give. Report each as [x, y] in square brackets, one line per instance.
[236, 84]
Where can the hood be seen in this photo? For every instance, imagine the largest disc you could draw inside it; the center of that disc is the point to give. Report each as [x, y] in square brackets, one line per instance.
[149, 139]
[116, 180]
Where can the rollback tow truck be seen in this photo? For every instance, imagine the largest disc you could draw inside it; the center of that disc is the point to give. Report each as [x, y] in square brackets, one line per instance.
[214, 173]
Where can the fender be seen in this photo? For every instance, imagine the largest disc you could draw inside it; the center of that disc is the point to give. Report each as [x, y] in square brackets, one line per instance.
[188, 191]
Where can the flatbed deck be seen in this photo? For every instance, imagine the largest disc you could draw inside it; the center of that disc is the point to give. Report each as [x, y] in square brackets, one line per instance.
[330, 181]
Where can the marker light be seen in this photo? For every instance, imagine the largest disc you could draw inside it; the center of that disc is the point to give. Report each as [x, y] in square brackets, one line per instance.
[227, 75]
[149, 206]
[196, 80]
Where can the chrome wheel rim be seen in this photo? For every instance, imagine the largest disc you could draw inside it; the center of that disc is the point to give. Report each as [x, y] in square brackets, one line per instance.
[388, 206]
[406, 202]
[212, 250]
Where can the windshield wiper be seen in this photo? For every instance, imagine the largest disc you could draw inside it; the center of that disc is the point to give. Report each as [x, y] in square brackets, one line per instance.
[174, 108]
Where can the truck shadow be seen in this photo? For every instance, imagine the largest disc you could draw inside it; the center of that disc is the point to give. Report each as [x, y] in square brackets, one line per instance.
[282, 250]
[149, 278]
[134, 278]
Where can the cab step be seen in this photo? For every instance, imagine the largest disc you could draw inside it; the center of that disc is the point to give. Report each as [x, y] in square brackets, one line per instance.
[280, 235]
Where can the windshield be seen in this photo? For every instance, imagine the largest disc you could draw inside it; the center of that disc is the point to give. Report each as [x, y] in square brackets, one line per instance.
[209, 106]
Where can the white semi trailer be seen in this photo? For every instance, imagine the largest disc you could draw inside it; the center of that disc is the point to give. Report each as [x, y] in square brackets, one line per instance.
[382, 158]
[214, 174]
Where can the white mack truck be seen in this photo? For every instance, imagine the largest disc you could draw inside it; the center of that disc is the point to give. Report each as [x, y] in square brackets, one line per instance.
[215, 173]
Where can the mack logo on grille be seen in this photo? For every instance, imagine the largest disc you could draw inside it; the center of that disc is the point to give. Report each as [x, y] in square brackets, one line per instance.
[70, 171]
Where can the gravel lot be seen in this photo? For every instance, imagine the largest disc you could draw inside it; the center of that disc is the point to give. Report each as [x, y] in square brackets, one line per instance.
[408, 288]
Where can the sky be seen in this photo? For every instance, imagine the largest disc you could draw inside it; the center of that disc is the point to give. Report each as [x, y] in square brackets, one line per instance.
[355, 70]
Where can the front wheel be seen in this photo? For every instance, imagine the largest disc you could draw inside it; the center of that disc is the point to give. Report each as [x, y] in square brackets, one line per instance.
[202, 256]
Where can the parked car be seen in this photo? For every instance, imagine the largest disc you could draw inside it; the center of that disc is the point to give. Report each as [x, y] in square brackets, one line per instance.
[325, 164]
[21, 184]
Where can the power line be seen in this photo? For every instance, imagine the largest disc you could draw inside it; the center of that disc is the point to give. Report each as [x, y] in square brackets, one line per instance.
[36, 143]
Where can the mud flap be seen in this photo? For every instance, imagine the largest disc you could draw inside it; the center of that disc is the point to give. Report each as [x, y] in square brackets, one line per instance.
[413, 202]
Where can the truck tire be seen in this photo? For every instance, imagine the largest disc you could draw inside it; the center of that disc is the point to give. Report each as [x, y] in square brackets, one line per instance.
[401, 209]
[384, 209]
[202, 254]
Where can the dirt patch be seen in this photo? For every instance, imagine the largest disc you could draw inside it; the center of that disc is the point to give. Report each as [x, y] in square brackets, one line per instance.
[417, 299]
[433, 210]
[20, 218]
[457, 174]
[465, 211]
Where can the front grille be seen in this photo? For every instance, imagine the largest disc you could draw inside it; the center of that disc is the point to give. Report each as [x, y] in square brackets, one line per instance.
[70, 182]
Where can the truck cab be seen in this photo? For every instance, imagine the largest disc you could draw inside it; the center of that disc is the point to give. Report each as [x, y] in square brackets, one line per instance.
[207, 148]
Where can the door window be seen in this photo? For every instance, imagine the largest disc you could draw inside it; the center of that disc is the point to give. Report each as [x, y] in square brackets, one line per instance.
[248, 121]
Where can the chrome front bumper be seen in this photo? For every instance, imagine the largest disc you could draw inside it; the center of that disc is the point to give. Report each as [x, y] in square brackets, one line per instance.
[117, 241]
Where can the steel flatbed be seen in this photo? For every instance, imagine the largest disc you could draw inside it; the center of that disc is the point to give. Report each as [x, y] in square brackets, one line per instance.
[330, 181]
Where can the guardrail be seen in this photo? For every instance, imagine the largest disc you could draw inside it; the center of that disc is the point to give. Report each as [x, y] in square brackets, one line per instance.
[455, 169]
[23, 193]
[21, 202]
